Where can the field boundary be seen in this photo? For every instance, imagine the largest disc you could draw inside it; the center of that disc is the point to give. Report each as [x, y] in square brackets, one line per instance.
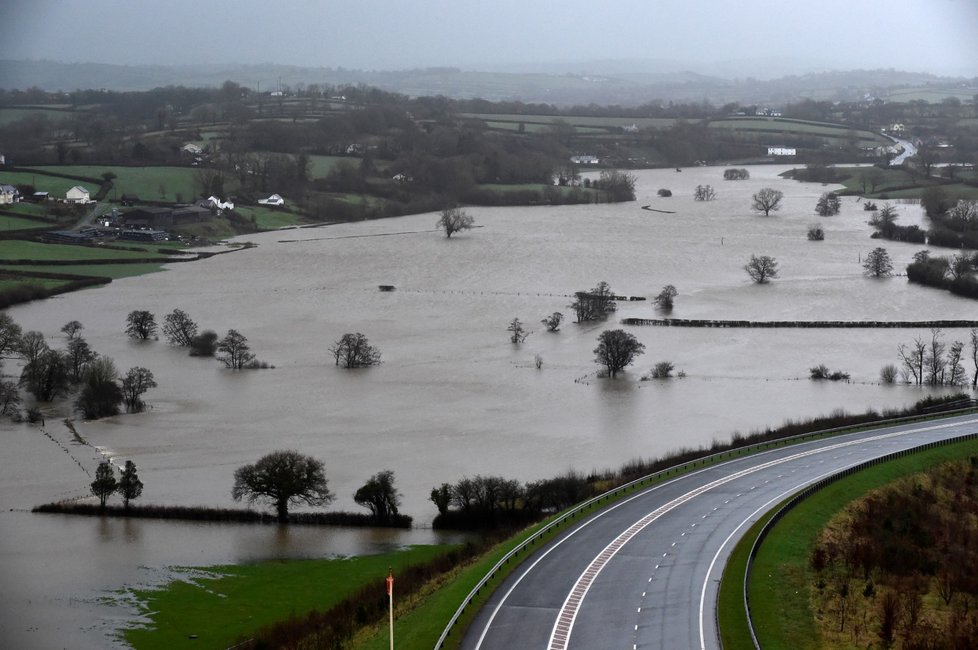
[817, 324]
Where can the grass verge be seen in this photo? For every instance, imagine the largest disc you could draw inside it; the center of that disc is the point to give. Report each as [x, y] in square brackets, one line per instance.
[781, 576]
[216, 610]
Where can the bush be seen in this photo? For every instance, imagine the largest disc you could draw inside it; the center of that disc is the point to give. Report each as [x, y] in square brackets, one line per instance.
[661, 370]
[815, 233]
[736, 174]
[204, 344]
[664, 192]
[888, 374]
[821, 371]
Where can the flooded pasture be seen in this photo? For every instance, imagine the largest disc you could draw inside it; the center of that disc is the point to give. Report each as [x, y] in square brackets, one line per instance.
[453, 396]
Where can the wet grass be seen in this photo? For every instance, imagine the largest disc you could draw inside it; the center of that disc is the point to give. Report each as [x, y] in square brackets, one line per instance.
[268, 218]
[216, 611]
[31, 250]
[57, 187]
[113, 271]
[144, 182]
[781, 576]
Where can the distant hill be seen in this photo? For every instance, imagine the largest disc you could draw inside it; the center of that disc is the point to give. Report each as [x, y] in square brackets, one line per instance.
[614, 84]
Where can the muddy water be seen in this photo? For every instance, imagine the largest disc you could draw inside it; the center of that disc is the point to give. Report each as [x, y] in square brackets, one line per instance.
[453, 397]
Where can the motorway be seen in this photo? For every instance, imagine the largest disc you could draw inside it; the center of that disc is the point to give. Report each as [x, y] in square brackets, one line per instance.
[644, 573]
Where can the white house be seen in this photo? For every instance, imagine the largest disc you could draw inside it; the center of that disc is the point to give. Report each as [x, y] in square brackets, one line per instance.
[192, 149]
[584, 160]
[77, 194]
[8, 194]
[214, 202]
[274, 199]
[781, 151]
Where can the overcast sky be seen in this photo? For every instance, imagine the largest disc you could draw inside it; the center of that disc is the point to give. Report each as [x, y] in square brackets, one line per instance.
[936, 36]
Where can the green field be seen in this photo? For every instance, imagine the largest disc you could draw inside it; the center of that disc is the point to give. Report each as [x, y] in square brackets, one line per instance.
[16, 223]
[27, 209]
[144, 182]
[930, 95]
[241, 599]
[268, 218]
[113, 271]
[773, 124]
[597, 123]
[57, 187]
[30, 250]
[321, 166]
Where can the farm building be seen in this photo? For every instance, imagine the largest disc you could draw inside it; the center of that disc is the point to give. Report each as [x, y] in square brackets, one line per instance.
[274, 199]
[8, 194]
[143, 235]
[78, 194]
[584, 160]
[781, 151]
[166, 217]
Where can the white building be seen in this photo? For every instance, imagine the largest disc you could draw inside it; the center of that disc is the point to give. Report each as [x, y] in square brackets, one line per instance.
[274, 199]
[584, 160]
[78, 194]
[782, 151]
[8, 194]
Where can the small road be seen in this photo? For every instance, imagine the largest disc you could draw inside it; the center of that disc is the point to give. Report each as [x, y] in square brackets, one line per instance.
[909, 151]
[97, 210]
[645, 572]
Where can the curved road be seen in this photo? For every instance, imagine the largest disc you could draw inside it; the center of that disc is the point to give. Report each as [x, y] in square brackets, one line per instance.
[645, 572]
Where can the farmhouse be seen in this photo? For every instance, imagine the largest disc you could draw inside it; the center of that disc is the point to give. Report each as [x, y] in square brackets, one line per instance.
[781, 151]
[78, 194]
[214, 203]
[192, 149]
[274, 199]
[8, 194]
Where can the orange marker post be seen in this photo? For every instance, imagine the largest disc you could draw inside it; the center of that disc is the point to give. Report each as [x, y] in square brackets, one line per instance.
[390, 601]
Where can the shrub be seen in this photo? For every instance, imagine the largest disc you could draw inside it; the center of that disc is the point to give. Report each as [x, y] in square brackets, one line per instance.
[664, 192]
[661, 370]
[821, 371]
[815, 233]
[888, 374]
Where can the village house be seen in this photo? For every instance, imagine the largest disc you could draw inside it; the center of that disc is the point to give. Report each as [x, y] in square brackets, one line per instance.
[78, 194]
[782, 151]
[584, 160]
[214, 203]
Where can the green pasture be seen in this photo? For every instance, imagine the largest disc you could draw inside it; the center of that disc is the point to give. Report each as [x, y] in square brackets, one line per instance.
[57, 187]
[16, 223]
[768, 124]
[31, 250]
[929, 95]
[112, 271]
[26, 209]
[144, 182]
[268, 218]
[321, 166]
[235, 601]
[781, 576]
[7, 283]
[597, 123]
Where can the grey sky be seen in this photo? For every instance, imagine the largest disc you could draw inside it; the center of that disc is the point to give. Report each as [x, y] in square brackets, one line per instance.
[920, 35]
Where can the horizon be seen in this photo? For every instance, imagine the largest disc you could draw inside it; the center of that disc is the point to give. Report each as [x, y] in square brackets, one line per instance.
[759, 38]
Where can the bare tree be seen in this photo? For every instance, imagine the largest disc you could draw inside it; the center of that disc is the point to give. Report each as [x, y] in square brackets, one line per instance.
[453, 220]
[767, 200]
[234, 350]
[71, 329]
[935, 358]
[137, 381]
[913, 358]
[179, 328]
[956, 375]
[761, 269]
[974, 356]
[353, 350]
[9, 335]
[140, 324]
[517, 333]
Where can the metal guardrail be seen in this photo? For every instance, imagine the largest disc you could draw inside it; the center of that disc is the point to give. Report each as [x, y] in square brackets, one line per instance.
[809, 491]
[661, 474]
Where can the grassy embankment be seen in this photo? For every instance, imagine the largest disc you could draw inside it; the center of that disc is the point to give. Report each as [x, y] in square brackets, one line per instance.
[781, 577]
[214, 612]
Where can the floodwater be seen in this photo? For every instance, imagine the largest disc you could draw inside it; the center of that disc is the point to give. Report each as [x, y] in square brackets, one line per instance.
[453, 396]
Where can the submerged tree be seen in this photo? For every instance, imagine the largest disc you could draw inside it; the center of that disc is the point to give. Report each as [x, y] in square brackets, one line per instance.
[140, 324]
[878, 263]
[234, 350]
[453, 220]
[761, 269]
[283, 478]
[100, 395]
[137, 381]
[828, 204]
[353, 350]
[594, 304]
[179, 328]
[767, 200]
[666, 297]
[617, 349]
[704, 193]
[553, 321]
[517, 333]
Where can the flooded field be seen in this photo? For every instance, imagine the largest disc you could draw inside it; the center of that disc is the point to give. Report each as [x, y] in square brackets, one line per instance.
[453, 396]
